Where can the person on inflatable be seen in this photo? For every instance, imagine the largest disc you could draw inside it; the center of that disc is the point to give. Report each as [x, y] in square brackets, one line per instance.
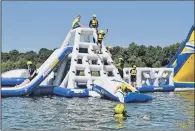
[120, 113]
[94, 24]
[101, 36]
[123, 89]
[32, 71]
[133, 73]
[110, 49]
[120, 66]
[76, 23]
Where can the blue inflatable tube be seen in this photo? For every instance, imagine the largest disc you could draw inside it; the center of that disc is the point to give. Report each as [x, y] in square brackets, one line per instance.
[131, 97]
[184, 85]
[59, 91]
[164, 88]
[29, 88]
[66, 92]
[11, 81]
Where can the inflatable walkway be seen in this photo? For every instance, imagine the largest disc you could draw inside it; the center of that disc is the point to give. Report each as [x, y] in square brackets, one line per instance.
[183, 62]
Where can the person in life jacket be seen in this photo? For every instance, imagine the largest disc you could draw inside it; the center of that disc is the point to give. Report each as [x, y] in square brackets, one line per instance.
[76, 23]
[122, 90]
[94, 24]
[110, 49]
[32, 72]
[101, 36]
[120, 66]
[133, 73]
[120, 113]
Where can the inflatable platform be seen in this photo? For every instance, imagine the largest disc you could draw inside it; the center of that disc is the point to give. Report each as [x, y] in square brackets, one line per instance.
[152, 79]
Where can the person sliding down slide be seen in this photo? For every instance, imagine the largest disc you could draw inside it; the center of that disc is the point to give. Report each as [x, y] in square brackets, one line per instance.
[122, 90]
[32, 71]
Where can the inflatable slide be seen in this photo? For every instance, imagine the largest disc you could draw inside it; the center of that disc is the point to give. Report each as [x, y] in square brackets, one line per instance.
[183, 62]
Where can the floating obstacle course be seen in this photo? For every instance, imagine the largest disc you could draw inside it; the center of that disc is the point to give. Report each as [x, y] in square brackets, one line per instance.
[59, 74]
[68, 62]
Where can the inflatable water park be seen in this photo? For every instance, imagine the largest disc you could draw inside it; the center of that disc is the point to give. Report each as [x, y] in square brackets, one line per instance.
[59, 74]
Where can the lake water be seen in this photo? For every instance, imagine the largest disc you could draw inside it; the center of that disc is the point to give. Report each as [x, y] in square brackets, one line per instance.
[172, 110]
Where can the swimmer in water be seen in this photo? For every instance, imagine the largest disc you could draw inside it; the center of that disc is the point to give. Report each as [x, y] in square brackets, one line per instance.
[120, 113]
[145, 117]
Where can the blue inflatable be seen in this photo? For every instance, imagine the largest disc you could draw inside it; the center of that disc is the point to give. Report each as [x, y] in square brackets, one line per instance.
[66, 92]
[11, 81]
[164, 88]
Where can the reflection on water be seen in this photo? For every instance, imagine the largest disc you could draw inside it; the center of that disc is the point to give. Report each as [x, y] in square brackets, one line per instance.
[188, 107]
[120, 124]
[166, 111]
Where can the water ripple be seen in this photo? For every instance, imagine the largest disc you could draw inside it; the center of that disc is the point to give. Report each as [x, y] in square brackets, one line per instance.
[59, 113]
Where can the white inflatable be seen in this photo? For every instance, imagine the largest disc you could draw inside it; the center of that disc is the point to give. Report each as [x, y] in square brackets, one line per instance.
[17, 73]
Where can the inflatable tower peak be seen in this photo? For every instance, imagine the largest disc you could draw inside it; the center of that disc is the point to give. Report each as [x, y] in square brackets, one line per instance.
[86, 61]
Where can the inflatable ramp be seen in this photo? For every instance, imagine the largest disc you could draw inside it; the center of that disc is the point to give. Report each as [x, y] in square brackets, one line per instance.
[183, 62]
[107, 87]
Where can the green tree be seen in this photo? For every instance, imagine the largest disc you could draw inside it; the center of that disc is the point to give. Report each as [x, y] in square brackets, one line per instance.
[157, 64]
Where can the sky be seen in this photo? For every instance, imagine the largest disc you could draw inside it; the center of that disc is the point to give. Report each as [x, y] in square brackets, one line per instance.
[31, 25]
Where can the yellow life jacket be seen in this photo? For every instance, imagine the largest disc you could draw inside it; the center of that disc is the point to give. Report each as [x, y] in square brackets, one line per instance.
[133, 72]
[119, 116]
[131, 88]
[94, 23]
[75, 23]
[100, 36]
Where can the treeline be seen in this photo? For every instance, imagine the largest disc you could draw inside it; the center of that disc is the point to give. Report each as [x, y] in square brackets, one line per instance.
[141, 55]
[146, 56]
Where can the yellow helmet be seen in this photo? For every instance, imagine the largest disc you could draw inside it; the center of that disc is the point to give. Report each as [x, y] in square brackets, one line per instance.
[101, 31]
[29, 63]
[119, 108]
[94, 15]
[134, 66]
